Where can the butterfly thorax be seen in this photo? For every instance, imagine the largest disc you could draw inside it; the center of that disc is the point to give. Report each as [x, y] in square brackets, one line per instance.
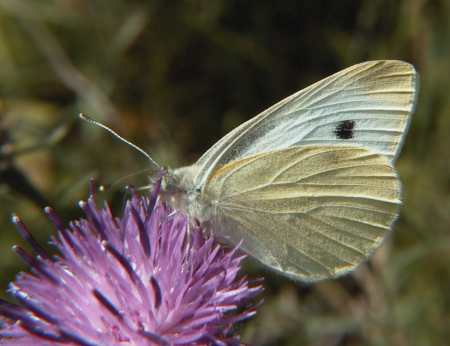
[179, 191]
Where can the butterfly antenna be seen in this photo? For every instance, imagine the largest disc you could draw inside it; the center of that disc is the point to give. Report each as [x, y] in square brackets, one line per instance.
[115, 134]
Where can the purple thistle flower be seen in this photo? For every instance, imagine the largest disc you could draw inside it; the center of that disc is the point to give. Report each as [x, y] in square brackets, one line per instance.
[147, 278]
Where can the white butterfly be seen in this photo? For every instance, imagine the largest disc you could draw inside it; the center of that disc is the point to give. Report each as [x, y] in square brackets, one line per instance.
[309, 184]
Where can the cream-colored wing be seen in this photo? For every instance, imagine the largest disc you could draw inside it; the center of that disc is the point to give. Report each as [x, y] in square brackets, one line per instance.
[310, 212]
[372, 100]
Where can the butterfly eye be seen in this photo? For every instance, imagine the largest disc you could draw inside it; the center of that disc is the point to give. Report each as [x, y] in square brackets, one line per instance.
[344, 129]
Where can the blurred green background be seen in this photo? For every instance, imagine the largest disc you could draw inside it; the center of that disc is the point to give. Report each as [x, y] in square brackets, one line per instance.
[176, 76]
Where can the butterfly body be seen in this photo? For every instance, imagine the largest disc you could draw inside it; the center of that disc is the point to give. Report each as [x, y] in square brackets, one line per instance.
[308, 185]
[178, 189]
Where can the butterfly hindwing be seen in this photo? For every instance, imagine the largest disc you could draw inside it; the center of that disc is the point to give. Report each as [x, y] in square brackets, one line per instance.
[312, 212]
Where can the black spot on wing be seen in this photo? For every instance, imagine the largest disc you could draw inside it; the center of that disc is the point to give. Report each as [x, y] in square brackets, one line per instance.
[344, 129]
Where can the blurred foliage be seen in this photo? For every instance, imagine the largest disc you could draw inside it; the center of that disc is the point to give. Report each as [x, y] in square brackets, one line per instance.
[176, 76]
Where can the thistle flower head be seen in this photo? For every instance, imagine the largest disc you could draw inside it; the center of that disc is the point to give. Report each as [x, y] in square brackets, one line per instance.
[148, 277]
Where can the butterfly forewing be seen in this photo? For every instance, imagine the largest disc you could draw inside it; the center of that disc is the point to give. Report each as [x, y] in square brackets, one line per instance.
[312, 212]
[366, 105]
